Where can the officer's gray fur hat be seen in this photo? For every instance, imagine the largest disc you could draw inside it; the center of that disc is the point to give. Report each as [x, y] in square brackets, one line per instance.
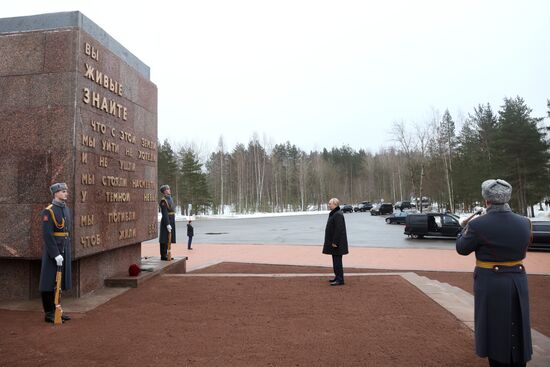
[496, 191]
[164, 188]
[58, 186]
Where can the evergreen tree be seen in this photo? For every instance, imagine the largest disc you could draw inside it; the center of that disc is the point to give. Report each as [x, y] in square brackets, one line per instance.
[522, 153]
[476, 148]
[192, 183]
[167, 166]
[447, 144]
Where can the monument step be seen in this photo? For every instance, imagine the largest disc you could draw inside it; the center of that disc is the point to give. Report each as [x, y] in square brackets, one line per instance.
[150, 267]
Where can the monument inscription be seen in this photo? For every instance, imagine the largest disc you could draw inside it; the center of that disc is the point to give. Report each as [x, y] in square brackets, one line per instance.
[117, 163]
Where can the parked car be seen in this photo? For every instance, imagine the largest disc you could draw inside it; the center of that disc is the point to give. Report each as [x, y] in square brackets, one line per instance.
[346, 208]
[401, 205]
[541, 236]
[397, 218]
[432, 224]
[385, 208]
[365, 206]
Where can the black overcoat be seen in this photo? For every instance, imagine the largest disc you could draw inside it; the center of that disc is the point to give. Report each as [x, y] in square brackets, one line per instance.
[53, 246]
[190, 230]
[168, 217]
[335, 232]
[500, 236]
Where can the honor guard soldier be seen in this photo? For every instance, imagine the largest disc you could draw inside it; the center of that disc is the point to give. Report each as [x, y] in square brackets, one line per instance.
[500, 239]
[167, 222]
[56, 228]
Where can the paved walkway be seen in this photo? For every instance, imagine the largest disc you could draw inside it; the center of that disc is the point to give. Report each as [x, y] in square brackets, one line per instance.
[360, 257]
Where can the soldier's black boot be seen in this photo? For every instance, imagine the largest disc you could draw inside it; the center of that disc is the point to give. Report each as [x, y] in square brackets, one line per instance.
[49, 317]
[164, 251]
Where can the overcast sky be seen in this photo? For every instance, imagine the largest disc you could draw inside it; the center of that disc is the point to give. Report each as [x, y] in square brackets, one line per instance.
[323, 73]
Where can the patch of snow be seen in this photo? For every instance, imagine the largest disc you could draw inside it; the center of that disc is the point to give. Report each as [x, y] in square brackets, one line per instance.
[260, 215]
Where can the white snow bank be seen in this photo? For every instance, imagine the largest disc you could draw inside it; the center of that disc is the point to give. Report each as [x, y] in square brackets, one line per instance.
[184, 218]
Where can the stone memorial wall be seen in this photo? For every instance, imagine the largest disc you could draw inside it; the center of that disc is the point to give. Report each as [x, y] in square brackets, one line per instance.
[75, 107]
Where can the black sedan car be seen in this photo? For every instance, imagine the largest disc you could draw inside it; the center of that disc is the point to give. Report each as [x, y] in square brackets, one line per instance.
[382, 209]
[365, 206]
[346, 208]
[397, 218]
[541, 236]
[402, 205]
[422, 225]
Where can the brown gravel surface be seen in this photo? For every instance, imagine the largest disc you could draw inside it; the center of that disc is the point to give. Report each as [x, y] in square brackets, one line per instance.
[539, 285]
[222, 321]
[539, 294]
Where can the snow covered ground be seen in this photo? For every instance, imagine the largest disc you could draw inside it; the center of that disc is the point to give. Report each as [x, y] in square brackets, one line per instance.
[539, 215]
[183, 218]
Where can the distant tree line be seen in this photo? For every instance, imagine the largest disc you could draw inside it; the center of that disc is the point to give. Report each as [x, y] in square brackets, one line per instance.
[429, 159]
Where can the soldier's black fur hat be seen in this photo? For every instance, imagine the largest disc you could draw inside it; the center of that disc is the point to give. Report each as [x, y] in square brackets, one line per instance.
[58, 186]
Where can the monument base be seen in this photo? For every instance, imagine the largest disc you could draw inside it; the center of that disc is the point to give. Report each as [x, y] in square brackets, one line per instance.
[19, 278]
[151, 267]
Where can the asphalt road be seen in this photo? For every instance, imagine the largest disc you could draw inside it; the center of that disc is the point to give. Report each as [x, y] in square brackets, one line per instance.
[363, 230]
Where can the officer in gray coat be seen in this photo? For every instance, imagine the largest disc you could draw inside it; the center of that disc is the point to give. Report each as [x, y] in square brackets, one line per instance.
[56, 230]
[500, 239]
[336, 240]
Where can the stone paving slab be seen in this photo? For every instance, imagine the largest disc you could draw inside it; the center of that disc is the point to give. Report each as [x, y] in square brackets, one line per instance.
[410, 259]
[70, 305]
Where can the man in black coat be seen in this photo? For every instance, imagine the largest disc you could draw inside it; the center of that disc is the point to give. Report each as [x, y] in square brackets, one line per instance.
[167, 222]
[336, 240]
[190, 234]
[500, 239]
[56, 229]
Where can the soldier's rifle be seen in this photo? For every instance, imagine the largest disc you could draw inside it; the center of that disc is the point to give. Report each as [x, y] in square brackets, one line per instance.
[58, 310]
[169, 252]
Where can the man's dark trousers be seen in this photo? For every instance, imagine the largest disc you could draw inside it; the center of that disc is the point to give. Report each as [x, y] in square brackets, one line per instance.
[338, 268]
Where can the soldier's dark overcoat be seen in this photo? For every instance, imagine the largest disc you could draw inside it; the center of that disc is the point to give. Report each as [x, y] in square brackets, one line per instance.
[54, 246]
[502, 325]
[167, 211]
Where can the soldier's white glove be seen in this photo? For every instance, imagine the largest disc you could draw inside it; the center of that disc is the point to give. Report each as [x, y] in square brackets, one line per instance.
[59, 260]
[169, 228]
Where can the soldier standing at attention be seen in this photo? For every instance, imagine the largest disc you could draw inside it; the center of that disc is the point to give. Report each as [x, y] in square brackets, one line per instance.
[500, 239]
[56, 227]
[167, 222]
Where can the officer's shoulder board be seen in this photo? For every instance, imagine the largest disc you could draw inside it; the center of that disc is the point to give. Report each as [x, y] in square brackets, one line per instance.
[45, 216]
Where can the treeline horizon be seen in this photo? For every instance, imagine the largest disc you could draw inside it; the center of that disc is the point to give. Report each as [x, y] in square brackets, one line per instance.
[429, 159]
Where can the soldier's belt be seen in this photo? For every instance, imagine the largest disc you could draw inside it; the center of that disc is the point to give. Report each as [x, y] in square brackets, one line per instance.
[492, 264]
[171, 213]
[61, 234]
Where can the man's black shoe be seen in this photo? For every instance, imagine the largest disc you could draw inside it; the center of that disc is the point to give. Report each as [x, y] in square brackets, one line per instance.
[337, 283]
[164, 259]
[332, 280]
[65, 317]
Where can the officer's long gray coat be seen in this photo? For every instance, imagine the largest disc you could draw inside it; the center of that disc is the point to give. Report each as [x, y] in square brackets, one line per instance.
[499, 236]
[335, 232]
[54, 246]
